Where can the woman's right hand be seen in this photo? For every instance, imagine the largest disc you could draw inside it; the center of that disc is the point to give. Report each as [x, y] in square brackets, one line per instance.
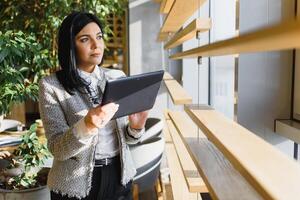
[99, 116]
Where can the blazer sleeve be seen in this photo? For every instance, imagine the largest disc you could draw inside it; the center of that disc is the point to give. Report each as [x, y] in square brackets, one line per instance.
[63, 142]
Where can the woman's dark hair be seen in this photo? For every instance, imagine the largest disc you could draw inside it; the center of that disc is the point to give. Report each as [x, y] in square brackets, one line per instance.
[68, 76]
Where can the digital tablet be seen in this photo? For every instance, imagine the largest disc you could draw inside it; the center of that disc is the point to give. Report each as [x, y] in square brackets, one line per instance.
[134, 93]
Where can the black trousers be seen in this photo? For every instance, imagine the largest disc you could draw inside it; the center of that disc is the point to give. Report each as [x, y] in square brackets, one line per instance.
[105, 185]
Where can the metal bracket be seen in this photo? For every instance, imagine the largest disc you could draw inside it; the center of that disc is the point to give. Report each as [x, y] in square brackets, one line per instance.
[198, 35]
[199, 60]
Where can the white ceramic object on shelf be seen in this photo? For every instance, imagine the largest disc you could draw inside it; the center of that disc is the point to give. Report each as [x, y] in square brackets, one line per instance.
[9, 123]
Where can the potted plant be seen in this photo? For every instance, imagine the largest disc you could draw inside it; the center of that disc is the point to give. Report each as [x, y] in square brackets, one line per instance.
[22, 63]
[22, 177]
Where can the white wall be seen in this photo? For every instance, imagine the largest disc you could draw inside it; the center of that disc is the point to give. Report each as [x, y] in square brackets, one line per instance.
[196, 77]
[223, 16]
[145, 54]
[264, 79]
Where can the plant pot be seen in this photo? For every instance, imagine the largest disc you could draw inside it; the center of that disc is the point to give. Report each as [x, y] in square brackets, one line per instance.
[39, 193]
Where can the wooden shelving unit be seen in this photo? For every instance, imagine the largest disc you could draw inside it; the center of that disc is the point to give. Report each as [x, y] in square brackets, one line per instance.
[189, 32]
[179, 13]
[278, 37]
[273, 174]
[178, 94]
[116, 43]
[244, 165]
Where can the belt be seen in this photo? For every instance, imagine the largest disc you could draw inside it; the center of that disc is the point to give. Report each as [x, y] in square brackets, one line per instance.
[106, 161]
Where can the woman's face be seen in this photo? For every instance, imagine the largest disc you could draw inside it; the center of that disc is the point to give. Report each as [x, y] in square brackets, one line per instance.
[89, 47]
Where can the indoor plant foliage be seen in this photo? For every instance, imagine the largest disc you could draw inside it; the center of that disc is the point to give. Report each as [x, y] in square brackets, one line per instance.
[22, 63]
[22, 171]
[44, 17]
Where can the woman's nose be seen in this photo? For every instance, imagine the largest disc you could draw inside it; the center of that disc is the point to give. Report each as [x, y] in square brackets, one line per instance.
[96, 44]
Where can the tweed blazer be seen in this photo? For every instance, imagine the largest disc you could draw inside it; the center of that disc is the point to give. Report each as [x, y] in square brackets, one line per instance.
[72, 169]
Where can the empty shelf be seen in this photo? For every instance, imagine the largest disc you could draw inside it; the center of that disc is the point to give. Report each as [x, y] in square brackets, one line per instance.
[223, 181]
[179, 13]
[167, 76]
[289, 129]
[177, 93]
[279, 37]
[189, 32]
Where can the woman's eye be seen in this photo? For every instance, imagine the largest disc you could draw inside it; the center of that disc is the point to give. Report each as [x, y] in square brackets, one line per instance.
[99, 37]
[83, 40]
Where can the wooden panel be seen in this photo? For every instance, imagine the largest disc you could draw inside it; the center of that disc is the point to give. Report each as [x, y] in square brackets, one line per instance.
[222, 179]
[180, 191]
[279, 37]
[273, 174]
[167, 191]
[166, 114]
[178, 94]
[166, 133]
[185, 125]
[167, 76]
[190, 172]
[189, 32]
[180, 12]
[18, 113]
[289, 129]
[165, 6]
[162, 37]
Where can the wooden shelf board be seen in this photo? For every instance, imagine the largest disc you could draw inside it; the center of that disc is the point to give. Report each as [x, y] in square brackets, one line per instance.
[162, 37]
[279, 37]
[190, 172]
[289, 129]
[222, 179]
[189, 32]
[178, 94]
[179, 13]
[225, 181]
[166, 132]
[167, 76]
[166, 114]
[180, 191]
[273, 174]
[165, 6]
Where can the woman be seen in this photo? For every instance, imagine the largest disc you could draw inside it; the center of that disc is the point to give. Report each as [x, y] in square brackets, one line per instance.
[91, 156]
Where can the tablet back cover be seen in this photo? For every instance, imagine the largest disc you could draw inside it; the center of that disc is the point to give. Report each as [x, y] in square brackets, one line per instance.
[134, 94]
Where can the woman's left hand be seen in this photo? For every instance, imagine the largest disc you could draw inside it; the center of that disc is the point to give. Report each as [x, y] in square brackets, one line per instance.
[138, 120]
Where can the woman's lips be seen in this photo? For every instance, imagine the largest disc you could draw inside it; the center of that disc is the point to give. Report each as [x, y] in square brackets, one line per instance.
[96, 54]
